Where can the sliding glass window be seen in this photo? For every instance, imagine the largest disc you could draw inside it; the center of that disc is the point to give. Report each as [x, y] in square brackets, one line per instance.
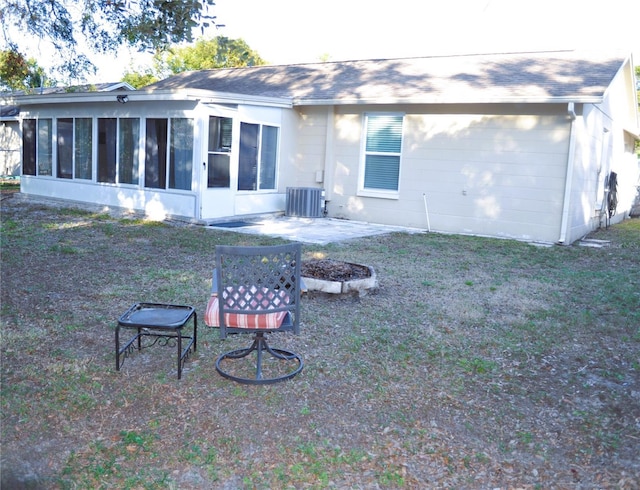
[118, 152]
[181, 154]
[83, 147]
[258, 157]
[107, 150]
[45, 147]
[128, 141]
[65, 148]
[37, 147]
[168, 161]
[29, 146]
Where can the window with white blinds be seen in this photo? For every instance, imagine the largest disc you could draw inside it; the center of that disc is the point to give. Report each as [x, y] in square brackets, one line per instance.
[382, 152]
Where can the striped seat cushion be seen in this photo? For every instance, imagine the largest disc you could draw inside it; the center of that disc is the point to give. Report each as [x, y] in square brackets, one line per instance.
[254, 300]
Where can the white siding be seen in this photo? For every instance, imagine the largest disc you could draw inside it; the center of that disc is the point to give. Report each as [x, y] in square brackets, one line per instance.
[311, 136]
[499, 175]
[604, 145]
[156, 204]
[10, 145]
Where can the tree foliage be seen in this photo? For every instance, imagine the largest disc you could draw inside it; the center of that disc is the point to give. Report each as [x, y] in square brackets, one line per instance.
[204, 54]
[18, 73]
[139, 79]
[100, 26]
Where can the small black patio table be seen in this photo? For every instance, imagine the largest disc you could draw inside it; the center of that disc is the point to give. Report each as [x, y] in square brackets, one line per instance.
[162, 322]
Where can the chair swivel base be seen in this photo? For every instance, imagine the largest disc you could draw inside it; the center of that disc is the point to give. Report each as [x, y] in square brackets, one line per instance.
[259, 346]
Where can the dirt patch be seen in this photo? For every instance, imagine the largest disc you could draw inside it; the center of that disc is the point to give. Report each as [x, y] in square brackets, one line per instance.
[334, 270]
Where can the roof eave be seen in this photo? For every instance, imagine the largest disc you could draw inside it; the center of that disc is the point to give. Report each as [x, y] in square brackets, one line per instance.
[150, 96]
[441, 101]
[213, 97]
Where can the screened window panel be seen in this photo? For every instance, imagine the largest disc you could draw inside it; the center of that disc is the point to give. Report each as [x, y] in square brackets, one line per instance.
[65, 148]
[29, 147]
[107, 150]
[382, 172]
[83, 145]
[156, 153]
[248, 157]
[268, 157]
[128, 153]
[218, 171]
[219, 161]
[45, 147]
[181, 154]
[220, 133]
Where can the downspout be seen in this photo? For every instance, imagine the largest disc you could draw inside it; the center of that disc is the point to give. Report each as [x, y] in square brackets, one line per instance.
[564, 225]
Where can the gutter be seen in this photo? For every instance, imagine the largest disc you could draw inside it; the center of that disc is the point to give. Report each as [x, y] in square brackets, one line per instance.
[564, 225]
[426, 100]
[197, 95]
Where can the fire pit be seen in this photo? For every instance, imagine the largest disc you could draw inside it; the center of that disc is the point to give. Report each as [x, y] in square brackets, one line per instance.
[337, 277]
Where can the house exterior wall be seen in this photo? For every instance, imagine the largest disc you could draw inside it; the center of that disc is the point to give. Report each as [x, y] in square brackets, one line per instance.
[530, 171]
[10, 145]
[603, 144]
[590, 166]
[498, 174]
[313, 130]
[622, 102]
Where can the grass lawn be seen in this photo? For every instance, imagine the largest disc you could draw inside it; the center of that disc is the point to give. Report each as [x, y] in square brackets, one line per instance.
[477, 363]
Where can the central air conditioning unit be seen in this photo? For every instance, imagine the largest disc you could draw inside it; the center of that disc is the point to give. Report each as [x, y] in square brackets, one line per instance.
[304, 202]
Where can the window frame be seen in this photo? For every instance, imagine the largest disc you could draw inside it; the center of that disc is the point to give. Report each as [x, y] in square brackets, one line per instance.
[29, 154]
[159, 151]
[63, 161]
[117, 150]
[44, 169]
[83, 150]
[219, 147]
[74, 140]
[258, 172]
[364, 153]
[123, 157]
[37, 147]
[107, 150]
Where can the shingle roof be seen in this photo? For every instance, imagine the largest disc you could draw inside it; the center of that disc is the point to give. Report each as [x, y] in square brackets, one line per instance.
[540, 76]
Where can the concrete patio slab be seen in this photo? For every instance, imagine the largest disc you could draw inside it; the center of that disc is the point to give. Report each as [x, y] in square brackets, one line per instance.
[320, 231]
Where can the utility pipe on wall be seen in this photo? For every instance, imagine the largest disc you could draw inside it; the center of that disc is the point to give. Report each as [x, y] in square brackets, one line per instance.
[426, 210]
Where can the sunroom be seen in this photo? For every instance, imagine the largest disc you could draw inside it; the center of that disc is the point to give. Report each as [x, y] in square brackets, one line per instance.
[164, 154]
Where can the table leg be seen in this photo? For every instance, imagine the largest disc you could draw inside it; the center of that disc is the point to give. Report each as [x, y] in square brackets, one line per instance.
[118, 347]
[195, 330]
[179, 352]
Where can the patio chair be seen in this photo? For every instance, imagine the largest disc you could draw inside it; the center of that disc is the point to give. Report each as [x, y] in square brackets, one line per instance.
[256, 290]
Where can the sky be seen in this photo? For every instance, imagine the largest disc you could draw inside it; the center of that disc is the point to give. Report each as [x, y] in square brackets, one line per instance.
[304, 31]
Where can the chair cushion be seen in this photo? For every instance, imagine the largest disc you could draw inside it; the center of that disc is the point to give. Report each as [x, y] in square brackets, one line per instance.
[257, 301]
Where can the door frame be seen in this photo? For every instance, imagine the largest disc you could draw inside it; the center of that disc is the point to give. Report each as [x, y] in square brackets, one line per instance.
[218, 202]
